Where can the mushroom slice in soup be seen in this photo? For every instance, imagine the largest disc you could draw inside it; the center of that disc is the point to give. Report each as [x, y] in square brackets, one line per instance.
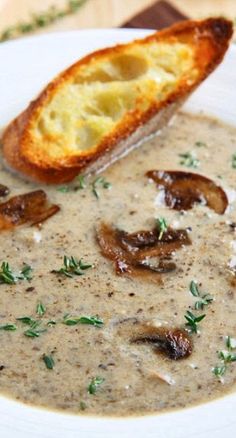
[173, 342]
[32, 208]
[184, 189]
[132, 252]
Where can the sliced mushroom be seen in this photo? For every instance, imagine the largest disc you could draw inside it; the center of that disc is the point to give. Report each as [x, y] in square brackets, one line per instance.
[4, 190]
[131, 252]
[184, 189]
[174, 342]
[32, 208]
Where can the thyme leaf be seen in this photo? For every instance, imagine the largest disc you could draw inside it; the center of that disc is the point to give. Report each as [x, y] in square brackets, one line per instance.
[94, 384]
[194, 289]
[40, 309]
[162, 227]
[8, 327]
[189, 160]
[34, 333]
[102, 182]
[49, 361]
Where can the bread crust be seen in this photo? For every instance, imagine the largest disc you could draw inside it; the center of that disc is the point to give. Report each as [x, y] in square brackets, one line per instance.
[209, 38]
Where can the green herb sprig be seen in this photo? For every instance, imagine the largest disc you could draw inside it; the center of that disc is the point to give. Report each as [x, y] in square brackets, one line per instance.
[100, 181]
[162, 226]
[40, 309]
[43, 19]
[90, 320]
[193, 321]
[204, 300]
[72, 267]
[49, 361]
[94, 384]
[189, 160]
[227, 356]
[8, 327]
[7, 276]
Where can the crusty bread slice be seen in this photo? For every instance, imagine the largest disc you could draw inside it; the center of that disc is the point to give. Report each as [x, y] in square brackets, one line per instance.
[108, 101]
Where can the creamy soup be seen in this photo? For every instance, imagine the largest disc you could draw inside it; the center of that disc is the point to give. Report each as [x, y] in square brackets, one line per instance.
[94, 365]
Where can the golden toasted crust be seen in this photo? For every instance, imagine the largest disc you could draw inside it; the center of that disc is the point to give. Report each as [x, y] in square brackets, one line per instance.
[41, 154]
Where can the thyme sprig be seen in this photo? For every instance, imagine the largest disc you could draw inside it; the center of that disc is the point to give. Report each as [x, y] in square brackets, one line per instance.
[204, 300]
[40, 20]
[7, 276]
[193, 321]
[72, 266]
[90, 320]
[227, 356]
[102, 182]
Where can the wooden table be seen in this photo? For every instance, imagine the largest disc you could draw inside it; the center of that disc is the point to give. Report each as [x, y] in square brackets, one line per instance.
[106, 13]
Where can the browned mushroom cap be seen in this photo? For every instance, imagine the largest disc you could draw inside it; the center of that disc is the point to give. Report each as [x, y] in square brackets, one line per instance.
[131, 252]
[174, 342]
[4, 190]
[184, 189]
[30, 208]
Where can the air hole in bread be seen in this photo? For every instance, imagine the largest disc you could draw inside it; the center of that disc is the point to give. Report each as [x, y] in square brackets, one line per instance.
[129, 67]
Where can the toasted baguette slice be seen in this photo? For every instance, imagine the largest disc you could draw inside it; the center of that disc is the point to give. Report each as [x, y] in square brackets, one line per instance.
[108, 101]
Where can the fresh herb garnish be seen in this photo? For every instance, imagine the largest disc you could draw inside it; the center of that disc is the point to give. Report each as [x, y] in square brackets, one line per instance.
[194, 289]
[192, 321]
[8, 327]
[219, 370]
[9, 277]
[94, 384]
[82, 182]
[90, 320]
[40, 309]
[200, 144]
[234, 161]
[189, 160]
[49, 361]
[72, 267]
[28, 321]
[204, 299]
[226, 356]
[162, 227]
[63, 189]
[99, 181]
[230, 343]
[34, 333]
[51, 323]
[43, 19]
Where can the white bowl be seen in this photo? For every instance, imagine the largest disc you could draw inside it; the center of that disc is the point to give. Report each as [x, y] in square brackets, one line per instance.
[26, 66]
